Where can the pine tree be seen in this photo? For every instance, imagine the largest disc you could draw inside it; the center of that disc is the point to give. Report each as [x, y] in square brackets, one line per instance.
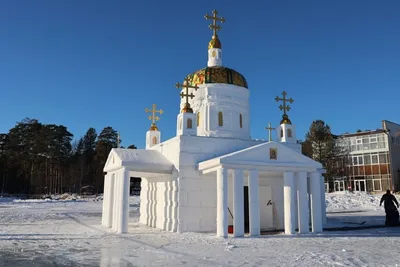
[108, 139]
[321, 140]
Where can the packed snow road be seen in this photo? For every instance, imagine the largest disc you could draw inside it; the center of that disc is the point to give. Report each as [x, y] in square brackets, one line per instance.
[68, 233]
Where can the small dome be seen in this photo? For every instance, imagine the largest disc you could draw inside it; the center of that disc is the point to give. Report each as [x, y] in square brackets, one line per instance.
[285, 119]
[214, 43]
[217, 74]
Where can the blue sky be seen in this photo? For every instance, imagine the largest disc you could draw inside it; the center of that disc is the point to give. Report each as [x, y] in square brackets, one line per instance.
[97, 63]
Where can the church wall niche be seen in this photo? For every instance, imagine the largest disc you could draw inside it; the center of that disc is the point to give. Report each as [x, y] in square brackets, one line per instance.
[220, 119]
[289, 133]
[189, 123]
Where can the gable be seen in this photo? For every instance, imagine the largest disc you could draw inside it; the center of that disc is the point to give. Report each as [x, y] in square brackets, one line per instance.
[267, 154]
[138, 160]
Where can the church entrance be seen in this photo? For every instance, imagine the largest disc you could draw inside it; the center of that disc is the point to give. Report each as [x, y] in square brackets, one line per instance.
[246, 210]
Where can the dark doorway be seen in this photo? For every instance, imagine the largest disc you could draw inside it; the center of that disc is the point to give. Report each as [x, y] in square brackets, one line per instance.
[246, 209]
[135, 186]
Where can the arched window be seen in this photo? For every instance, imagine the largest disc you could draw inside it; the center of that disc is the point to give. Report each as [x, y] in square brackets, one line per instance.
[281, 133]
[189, 123]
[198, 119]
[289, 132]
[154, 140]
[241, 120]
[220, 119]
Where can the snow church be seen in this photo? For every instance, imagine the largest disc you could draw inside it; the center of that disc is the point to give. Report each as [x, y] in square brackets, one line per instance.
[212, 177]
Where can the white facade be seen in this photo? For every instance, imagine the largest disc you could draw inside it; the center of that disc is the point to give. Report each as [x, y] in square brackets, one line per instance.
[212, 175]
[187, 188]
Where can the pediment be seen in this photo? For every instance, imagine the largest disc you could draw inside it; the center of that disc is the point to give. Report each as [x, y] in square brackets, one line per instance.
[267, 154]
[138, 160]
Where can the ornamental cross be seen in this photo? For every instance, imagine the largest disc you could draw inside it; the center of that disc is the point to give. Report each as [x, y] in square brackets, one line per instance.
[153, 117]
[270, 129]
[186, 86]
[214, 27]
[284, 107]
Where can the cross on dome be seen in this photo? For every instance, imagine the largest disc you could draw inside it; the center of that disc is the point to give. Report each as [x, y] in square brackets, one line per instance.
[186, 85]
[285, 107]
[215, 42]
[153, 117]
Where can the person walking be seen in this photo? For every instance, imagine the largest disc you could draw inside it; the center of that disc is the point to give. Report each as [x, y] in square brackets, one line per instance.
[392, 214]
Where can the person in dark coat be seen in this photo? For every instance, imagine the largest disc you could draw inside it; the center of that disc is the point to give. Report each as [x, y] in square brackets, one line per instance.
[392, 214]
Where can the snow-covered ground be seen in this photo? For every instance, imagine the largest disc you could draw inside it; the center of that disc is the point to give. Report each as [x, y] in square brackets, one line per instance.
[68, 233]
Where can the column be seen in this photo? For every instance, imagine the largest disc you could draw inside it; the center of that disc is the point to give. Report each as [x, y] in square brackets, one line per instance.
[289, 194]
[315, 194]
[116, 215]
[124, 201]
[111, 199]
[254, 203]
[302, 200]
[222, 202]
[238, 203]
[323, 202]
[106, 199]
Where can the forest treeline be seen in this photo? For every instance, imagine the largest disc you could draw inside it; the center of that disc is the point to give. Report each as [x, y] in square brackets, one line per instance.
[37, 158]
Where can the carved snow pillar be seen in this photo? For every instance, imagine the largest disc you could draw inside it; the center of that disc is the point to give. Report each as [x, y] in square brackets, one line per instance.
[254, 203]
[323, 201]
[289, 195]
[110, 199]
[116, 215]
[106, 200]
[238, 203]
[222, 202]
[315, 194]
[123, 198]
[302, 200]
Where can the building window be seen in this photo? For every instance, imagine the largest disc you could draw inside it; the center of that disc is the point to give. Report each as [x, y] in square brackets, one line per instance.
[220, 119]
[367, 159]
[241, 120]
[189, 123]
[289, 132]
[374, 159]
[198, 119]
[154, 140]
[357, 160]
[382, 158]
[281, 133]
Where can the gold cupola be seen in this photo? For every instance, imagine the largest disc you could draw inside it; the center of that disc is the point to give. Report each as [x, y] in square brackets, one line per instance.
[214, 43]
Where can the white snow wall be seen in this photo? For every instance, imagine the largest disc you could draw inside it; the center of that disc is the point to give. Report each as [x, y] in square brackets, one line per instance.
[159, 203]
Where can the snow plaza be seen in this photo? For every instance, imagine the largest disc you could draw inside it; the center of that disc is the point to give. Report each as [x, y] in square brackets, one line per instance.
[210, 196]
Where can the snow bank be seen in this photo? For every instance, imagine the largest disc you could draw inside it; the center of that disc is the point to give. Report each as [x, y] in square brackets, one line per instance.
[348, 201]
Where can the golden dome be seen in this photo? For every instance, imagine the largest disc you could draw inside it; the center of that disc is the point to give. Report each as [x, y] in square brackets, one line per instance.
[214, 43]
[285, 119]
[187, 109]
[217, 74]
[153, 127]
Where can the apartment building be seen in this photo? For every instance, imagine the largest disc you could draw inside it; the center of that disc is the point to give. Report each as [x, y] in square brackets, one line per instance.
[373, 163]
